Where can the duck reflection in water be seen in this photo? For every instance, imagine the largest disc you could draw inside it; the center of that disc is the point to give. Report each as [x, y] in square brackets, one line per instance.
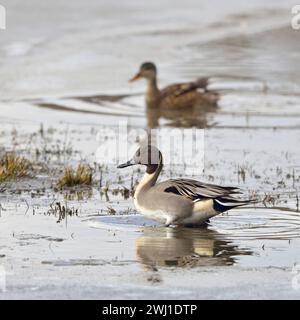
[182, 247]
[181, 118]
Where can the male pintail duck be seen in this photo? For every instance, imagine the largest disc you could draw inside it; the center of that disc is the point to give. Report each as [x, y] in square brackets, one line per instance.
[181, 95]
[178, 201]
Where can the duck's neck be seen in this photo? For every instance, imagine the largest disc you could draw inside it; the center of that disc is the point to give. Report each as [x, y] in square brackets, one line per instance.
[152, 92]
[149, 178]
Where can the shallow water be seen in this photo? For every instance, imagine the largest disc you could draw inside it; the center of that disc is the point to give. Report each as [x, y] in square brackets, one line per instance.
[70, 83]
[247, 238]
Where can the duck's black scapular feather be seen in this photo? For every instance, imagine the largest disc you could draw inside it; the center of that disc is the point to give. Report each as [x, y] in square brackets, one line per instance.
[195, 190]
[198, 191]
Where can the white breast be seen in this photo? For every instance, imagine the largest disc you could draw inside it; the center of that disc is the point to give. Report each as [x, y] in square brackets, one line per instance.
[157, 215]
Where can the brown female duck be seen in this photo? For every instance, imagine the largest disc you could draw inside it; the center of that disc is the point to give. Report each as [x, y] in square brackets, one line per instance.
[181, 95]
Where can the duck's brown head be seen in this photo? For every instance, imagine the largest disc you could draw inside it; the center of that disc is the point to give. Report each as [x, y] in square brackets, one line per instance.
[147, 71]
[148, 156]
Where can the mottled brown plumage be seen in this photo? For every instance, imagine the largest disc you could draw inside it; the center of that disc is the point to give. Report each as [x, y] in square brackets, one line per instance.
[181, 95]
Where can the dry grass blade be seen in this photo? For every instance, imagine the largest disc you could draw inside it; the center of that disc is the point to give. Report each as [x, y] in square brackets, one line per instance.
[13, 167]
[71, 177]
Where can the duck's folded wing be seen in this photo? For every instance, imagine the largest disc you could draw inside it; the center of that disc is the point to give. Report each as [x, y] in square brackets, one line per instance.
[196, 190]
[182, 88]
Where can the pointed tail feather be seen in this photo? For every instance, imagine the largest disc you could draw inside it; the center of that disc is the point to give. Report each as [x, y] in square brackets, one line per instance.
[225, 204]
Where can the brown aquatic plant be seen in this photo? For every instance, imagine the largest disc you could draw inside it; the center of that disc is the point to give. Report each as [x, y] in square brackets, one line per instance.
[111, 211]
[13, 167]
[62, 211]
[71, 177]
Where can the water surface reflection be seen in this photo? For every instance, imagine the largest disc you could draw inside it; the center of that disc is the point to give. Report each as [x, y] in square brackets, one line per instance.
[197, 116]
[183, 247]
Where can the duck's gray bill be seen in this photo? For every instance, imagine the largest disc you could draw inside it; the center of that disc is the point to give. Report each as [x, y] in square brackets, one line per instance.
[126, 164]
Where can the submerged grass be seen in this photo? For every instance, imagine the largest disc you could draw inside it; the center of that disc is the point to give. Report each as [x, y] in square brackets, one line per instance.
[71, 177]
[13, 167]
[62, 211]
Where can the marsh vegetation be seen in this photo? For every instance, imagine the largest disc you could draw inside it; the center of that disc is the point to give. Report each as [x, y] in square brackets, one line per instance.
[13, 167]
[80, 176]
